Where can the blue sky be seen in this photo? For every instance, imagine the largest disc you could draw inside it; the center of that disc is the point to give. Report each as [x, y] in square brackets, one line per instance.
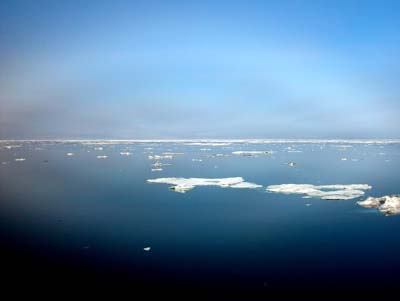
[199, 69]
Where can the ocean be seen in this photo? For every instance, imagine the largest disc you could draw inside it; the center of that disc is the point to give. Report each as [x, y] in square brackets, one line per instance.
[82, 211]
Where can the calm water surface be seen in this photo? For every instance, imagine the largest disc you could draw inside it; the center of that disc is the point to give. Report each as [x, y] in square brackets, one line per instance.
[68, 213]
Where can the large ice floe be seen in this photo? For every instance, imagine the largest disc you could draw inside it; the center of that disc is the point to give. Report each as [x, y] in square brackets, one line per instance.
[184, 184]
[325, 192]
[388, 204]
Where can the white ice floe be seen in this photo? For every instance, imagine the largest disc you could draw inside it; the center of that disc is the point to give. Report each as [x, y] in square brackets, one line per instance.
[156, 169]
[12, 146]
[209, 143]
[184, 184]
[291, 164]
[20, 159]
[325, 192]
[70, 154]
[125, 153]
[388, 204]
[344, 159]
[205, 149]
[98, 148]
[172, 154]
[197, 160]
[217, 156]
[252, 153]
[102, 157]
[343, 146]
[147, 249]
[159, 157]
[160, 164]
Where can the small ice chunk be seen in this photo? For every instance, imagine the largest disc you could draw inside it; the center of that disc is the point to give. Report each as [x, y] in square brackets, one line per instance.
[388, 204]
[344, 159]
[291, 164]
[70, 154]
[12, 146]
[156, 169]
[98, 148]
[197, 160]
[172, 154]
[20, 159]
[147, 249]
[158, 157]
[252, 153]
[209, 143]
[102, 157]
[217, 156]
[125, 153]
[160, 164]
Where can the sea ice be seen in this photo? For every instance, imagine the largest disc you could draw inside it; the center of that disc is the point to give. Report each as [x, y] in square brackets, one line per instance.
[125, 153]
[12, 146]
[102, 157]
[209, 143]
[388, 204]
[185, 184]
[20, 159]
[252, 153]
[217, 156]
[172, 154]
[325, 192]
[159, 157]
[160, 164]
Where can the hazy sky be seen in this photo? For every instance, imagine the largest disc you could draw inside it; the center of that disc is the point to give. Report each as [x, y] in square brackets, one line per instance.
[199, 69]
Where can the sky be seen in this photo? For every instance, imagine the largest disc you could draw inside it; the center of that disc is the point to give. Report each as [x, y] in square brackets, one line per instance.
[199, 69]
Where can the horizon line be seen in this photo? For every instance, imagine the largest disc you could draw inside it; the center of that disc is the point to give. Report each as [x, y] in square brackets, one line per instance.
[272, 140]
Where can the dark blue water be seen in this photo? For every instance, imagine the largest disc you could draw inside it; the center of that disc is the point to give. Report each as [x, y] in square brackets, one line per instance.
[80, 215]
